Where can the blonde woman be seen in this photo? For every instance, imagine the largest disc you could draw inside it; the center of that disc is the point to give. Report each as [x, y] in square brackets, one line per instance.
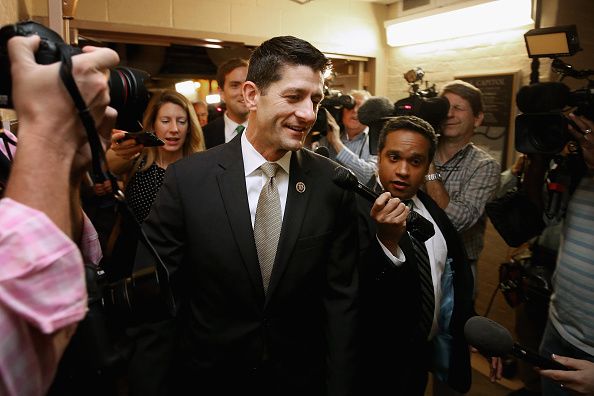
[172, 118]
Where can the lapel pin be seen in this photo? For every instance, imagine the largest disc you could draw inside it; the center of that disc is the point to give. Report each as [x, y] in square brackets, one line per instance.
[300, 187]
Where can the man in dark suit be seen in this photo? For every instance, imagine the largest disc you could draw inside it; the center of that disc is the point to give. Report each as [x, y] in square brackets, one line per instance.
[398, 351]
[230, 77]
[243, 328]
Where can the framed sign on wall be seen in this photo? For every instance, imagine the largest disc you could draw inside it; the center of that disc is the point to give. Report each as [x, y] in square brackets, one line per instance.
[496, 133]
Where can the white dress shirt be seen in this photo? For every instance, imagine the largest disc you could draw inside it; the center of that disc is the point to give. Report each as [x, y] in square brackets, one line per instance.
[230, 127]
[255, 178]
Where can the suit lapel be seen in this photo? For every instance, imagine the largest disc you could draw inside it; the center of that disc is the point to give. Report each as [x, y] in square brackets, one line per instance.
[234, 195]
[298, 194]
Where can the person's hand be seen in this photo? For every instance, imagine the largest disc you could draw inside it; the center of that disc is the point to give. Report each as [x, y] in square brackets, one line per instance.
[390, 216]
[125, 149]
[101, 189]
[518, 166]
[496, 364]
[585, 138]
[580, 379]
[333, 128]
[42, 102]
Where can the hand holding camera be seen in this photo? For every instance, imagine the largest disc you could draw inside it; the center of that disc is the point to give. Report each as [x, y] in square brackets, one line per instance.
[57, 116]
[124, 147]
[584, 137]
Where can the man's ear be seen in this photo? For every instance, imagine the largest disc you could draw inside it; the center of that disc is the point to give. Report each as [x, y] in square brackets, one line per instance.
[478, 120]
[251, 95]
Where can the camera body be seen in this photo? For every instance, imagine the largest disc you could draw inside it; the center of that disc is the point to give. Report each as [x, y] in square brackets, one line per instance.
[543, 126]
[128, 93]
[422, 103]
[334, 102]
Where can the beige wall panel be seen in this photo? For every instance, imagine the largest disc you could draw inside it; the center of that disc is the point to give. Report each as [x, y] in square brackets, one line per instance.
[202, 15]
[95, 10]
[141, 12]
[9, 11]
[255, 21]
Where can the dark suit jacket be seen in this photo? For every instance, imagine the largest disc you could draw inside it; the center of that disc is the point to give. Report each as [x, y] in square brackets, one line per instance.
[214, 132]
[395, 355]
[301, 334]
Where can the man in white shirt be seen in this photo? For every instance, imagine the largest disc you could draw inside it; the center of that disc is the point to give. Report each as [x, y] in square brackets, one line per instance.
[263, 246]
[230, 77]
[412, 320]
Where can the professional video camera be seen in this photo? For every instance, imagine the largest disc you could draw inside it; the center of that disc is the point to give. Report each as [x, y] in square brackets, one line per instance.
[334, 102]
[423, 103]
[543, 126]
[128, 93]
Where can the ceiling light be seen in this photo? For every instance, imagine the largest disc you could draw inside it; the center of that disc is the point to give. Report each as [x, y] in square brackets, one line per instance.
[452, 22]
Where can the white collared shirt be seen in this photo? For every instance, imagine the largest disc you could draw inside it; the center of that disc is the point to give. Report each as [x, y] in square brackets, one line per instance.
[255, 178]
[230, 127]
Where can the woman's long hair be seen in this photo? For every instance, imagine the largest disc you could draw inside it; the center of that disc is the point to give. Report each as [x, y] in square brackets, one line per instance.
[194, 141]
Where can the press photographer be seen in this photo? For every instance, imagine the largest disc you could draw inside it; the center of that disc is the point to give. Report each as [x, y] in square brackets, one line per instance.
[93, 357]
[557, 181]
[43, 291]
[349, 143]
[422, 103]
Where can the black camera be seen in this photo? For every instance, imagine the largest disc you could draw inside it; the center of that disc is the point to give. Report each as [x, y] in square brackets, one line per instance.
[543, 126]
[334, 102]
[422, 103]
[128, 93]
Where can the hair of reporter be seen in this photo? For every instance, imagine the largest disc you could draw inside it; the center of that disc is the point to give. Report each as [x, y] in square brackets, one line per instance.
[268, 60]
[227, 67]
[194, 141]
[466, 91]
[409, 123]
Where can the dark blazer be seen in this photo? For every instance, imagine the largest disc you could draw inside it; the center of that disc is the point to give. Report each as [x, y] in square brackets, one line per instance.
[395, 356]
[214, 132]
[301, 334]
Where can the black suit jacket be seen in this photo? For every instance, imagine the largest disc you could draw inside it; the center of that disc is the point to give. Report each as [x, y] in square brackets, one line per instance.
[301, 334]
[214, 132]
[395, 356]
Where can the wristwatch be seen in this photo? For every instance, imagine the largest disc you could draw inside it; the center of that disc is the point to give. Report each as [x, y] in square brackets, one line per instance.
[432, 177]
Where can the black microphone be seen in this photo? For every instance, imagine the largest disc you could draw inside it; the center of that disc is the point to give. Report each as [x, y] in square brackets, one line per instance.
[322, 150]
[421, 228]
[492, 339]
[542, 97]
[374, 110]
[374, 113]
[346, 179]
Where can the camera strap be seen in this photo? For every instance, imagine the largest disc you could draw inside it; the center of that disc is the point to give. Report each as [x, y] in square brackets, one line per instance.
[97, 159]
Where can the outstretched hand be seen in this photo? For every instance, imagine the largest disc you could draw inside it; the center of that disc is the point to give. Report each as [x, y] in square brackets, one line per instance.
[580, 379]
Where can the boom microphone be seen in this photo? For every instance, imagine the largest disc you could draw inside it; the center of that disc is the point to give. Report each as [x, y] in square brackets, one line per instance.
[417, 225]
[374, 113]
[375, 109]
[492, 339]
[542, 97]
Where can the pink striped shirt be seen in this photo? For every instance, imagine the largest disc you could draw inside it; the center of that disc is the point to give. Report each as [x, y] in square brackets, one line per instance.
[42, 290]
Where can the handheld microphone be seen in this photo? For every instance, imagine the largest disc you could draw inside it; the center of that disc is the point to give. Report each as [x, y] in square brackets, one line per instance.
[492, 339]
[417, 225]
[322, 150]
[346, 179]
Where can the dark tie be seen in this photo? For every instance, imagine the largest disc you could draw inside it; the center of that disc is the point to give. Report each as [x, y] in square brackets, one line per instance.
[268, 223]
[239, 129]
[426, 283]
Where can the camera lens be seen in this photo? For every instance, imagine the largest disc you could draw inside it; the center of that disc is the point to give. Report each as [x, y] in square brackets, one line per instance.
[129, 96]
